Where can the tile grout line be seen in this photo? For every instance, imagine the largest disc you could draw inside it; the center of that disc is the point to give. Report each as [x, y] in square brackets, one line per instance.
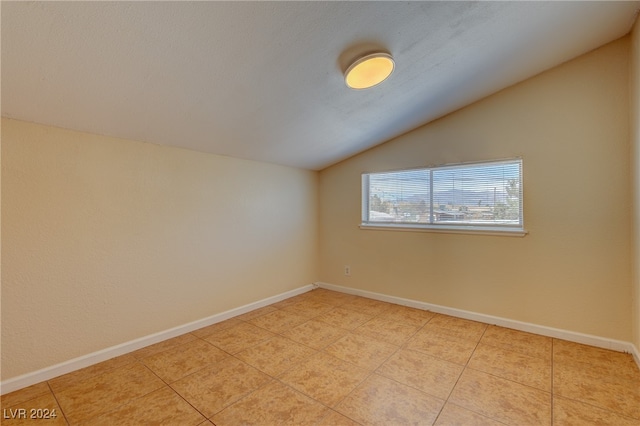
[208, 366]
[170, 348]
[553, 396]
[370, 373]
[267, 383]
[199, 370]
[398, 350]
[275, 378]
[466, 366]
[187, 401]
[133, 399]
[348, 362]
[329, 408]
[553, 363]
[461, 373]
[509, 380]
[57, 402]
[403, 346]
[135, 361]
[271, 380]
[597, 407]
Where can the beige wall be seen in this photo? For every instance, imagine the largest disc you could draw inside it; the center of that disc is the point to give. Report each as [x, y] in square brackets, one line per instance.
[634, 115]
[570, 125]
[107, 240]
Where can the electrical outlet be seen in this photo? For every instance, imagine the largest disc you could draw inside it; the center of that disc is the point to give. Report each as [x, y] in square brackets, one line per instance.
[347, 270]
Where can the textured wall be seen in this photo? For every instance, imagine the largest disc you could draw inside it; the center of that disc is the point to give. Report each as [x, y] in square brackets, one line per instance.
[634, 115]
[107, 240]
[570, 126]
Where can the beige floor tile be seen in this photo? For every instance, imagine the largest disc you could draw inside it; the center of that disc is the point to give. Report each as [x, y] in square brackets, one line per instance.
[361, 350]
[621, 371]
[428, 374]
[366, 306]
[381, 401]
[273, 404]
[179, 362]
[564, 351]
[308, 308]
[407, 315]
[256, 313]
[278, 321]
[325, 378]
[344, 318]
[315, 334]
[163, 346]
[392, 332]
[336, 419]
[41, 410]
[502, 399]
[25, 394]
[276, 355]
[432, 342]
[453, 415]
[98, 395]
[573, 413]
[458, 327]
[518, 341]
[606, 391]
[211, 329]
[62, 382]
[160, 407]
[239, 337]
[527, 370]
[216, 387]
[373, 368]
[602, 361]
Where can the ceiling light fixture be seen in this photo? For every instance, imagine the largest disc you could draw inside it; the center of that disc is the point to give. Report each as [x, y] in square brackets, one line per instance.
[369, 70]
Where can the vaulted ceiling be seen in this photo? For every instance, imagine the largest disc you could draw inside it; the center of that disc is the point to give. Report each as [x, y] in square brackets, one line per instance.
[264, 80]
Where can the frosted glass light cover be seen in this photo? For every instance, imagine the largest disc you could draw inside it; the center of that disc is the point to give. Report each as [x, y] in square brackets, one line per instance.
[369, 71]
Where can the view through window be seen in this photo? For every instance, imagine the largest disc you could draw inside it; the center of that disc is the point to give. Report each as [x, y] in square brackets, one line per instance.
[484, 195]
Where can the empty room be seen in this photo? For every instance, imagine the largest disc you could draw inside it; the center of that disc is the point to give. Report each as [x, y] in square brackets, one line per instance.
[320, 213]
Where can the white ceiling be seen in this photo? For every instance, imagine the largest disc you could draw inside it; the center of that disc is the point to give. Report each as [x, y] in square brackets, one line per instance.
[263, 80]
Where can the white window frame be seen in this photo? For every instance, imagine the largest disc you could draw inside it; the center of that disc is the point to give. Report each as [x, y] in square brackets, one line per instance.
[509, 229]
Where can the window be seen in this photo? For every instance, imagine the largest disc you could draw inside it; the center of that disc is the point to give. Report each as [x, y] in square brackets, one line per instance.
[462, 197]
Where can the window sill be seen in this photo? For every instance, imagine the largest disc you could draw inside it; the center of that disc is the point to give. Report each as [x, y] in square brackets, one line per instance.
[448, 230]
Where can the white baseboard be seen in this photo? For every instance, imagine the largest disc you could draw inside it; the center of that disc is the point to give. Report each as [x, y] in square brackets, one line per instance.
[65, 367]
[69, 366]
[587, 339]
[636, 354]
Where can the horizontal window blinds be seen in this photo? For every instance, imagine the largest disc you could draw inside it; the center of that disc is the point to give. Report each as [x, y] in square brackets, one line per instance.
[478, 195]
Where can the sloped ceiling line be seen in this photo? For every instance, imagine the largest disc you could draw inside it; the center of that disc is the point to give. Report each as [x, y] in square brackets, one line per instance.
[263, 80]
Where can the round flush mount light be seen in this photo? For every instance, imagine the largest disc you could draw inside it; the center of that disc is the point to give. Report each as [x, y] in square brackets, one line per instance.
[369, 70]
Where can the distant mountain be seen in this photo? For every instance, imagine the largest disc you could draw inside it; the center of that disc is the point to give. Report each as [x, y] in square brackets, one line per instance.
[456, 197]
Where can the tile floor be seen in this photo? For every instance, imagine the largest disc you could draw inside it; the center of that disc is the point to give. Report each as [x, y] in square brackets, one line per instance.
[327, 358]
